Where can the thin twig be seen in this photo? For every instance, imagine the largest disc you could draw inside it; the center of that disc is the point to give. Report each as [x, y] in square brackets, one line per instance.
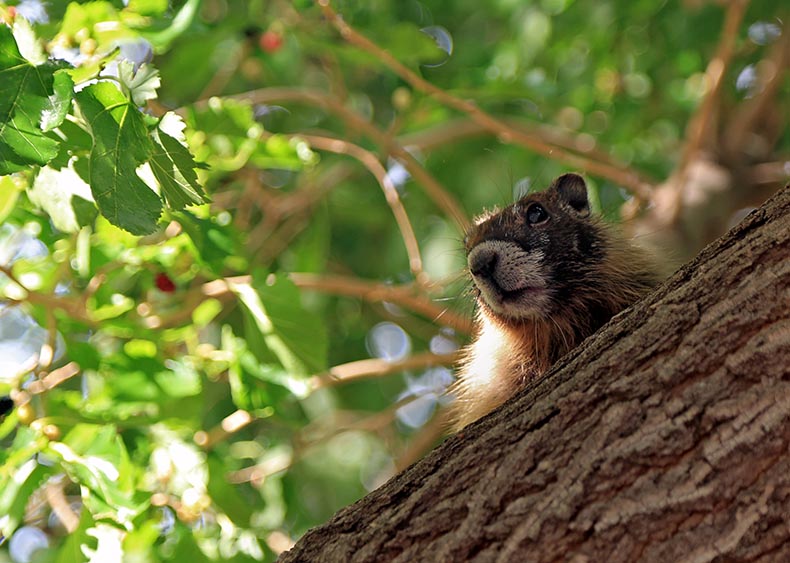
[230, 425]
[377, 367]
[701, 124]
[774, 70]
[770, 172]
[369, 160]
[438, 193]
[47, 383]
[406, 296]
[626, 177]
[57, 500]
[72, 307]
[463, 128]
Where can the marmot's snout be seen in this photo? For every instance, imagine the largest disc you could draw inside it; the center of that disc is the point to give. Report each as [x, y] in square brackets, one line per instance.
[505, 266]
[509, 278]
[483, 261]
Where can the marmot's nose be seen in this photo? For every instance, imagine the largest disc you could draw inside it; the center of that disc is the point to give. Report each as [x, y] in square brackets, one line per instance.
[482, 261]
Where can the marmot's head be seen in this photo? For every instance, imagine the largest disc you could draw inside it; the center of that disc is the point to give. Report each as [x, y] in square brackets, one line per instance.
[536, 255]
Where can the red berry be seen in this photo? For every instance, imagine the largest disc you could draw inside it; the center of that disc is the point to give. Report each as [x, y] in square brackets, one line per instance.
[164, 283]
[270, 41]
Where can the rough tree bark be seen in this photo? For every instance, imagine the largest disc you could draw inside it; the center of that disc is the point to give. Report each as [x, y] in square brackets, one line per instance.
[664, 437]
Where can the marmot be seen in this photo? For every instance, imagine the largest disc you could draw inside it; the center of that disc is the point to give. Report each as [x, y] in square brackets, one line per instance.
[546, 276]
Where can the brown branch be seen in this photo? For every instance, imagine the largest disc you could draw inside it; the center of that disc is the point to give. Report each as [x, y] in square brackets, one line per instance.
[753, 109]
[229, 425]
[376, 292]
[377, 367]
[701, 125]
[465, 128]
[406, 296]
[57, 500]
[438, 193]
[46, 383]
[623, 176]
[770, 172]
[72, 307]
[371, 162]
[259, 472]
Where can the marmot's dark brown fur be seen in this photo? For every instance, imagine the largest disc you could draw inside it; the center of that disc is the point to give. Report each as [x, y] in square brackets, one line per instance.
[547, 275]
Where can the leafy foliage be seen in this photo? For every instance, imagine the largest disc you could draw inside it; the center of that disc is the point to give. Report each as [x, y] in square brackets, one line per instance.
[206, 273]
[33, 101]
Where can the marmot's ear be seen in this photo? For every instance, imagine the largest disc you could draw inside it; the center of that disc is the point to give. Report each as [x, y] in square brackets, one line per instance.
[573, 191]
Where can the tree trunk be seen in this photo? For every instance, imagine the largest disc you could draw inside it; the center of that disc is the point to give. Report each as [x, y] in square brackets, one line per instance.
[664, 437]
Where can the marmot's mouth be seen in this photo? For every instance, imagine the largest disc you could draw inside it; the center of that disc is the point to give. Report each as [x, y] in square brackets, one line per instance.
[516, 302]
[511, 280]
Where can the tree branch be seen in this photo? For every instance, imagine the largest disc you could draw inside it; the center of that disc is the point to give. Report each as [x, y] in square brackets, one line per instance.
[369, 160]
[701, 125]
[664, 437]
[622, 176]
[438, 194]
[377, 367]
[406, 296]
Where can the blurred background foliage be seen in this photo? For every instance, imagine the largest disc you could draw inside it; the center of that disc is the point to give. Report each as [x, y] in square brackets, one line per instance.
[271, 350]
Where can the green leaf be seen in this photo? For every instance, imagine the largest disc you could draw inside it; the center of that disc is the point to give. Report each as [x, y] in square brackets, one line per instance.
[174, 169]
[95, 456]
[141, 83]
[213, 242]
[181, 380]
[181, 22]
[294, 335]
[92, 67]
[85, 211]
[90, 16]
[71, 550]
[10, 187]
[60, 101]
[17, 492]
[225, 495]
[32, 100]
[147, 7]
[120, 145]
[54, 191]
[138, 544]
[206, 312]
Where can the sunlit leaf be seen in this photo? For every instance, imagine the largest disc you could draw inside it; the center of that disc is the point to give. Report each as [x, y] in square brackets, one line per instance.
[141, 83]
[181, 380]
[296, 336]
[96, 457]
[10, 188]
[17, 490]
[33, 99]
[54, 191]
[120, 145]
[74, 548]
[174, 169]
[227, 496]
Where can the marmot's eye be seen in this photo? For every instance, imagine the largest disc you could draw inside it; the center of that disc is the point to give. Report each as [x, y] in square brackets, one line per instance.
[536, 214]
